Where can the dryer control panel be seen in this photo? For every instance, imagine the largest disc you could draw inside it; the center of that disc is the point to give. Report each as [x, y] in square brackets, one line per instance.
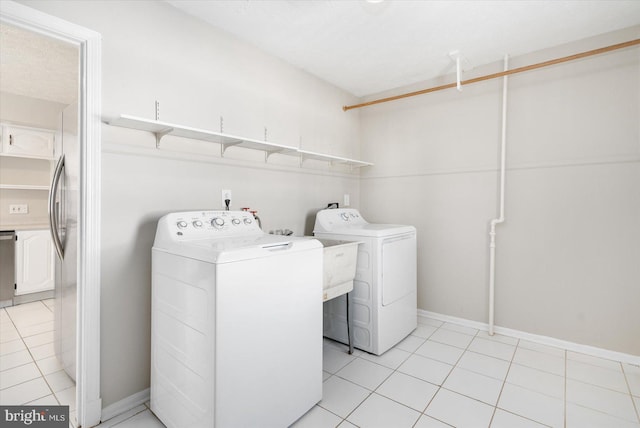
[192, 225]
[330, 219]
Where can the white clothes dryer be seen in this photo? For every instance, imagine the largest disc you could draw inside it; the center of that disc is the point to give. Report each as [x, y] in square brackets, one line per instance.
[236, 330]
[383, 303]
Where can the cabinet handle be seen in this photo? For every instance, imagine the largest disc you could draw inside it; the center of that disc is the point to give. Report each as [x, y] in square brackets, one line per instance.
[10, 140]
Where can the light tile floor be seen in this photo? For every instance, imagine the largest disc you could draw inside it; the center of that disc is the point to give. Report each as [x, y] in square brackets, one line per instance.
[446, 375]
[29, 371]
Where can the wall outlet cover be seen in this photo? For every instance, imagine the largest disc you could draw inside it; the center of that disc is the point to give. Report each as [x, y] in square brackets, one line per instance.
[18, 209]
[226, 194]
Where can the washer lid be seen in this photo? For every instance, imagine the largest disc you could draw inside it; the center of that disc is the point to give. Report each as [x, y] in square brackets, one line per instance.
[227, 250]
[348, 221]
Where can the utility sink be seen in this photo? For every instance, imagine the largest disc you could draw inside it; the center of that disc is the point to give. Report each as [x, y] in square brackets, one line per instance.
[339, 267]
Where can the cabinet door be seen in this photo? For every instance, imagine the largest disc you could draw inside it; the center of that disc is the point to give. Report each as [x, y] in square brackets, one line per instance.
[20, 141]
[34, 261]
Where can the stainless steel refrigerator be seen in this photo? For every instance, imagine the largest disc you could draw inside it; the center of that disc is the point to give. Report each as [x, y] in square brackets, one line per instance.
[63, 222]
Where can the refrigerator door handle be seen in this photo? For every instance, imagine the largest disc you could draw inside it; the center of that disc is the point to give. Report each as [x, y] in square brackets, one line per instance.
[53, 218]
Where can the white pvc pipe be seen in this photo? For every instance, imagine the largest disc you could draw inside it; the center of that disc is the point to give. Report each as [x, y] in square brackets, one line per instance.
[458, 74]
[494, 222]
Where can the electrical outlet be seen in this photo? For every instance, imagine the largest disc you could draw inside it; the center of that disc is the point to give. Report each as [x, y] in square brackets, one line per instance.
[226, 194]
[19, 209]
[346, 200]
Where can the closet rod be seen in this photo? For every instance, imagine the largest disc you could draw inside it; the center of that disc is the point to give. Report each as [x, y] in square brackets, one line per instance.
[500, 74]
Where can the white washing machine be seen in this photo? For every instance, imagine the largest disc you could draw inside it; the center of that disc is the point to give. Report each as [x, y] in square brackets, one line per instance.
[236, 332]
[383, 303]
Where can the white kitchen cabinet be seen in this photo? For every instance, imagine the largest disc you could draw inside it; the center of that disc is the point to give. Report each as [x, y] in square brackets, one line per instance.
[34, 261]
[27, 142]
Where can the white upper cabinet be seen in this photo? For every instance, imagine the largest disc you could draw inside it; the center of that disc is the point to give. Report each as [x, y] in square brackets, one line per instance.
[27, 142]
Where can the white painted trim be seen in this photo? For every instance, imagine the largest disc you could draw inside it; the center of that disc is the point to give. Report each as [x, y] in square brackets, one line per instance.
[611, 160]
[544, 340]
[126, 404]
[88, 399]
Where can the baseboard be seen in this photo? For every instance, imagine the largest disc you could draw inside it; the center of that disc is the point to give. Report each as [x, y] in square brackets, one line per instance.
[544, 340]
[125, 404]
[33, 297]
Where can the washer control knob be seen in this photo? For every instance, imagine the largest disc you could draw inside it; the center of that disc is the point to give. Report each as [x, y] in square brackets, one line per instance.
[197, 224]
[248, 221]
[217, 222]
[182, 224]
[345, 216]
[235, 221]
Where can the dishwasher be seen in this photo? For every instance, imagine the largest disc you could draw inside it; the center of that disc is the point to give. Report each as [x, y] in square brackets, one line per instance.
[7, 267]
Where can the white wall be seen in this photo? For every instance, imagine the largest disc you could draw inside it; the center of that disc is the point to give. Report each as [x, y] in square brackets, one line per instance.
[567, 257]
[154, 52]
[27, 111]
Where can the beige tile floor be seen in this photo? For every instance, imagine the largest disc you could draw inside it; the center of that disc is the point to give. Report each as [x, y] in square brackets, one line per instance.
[441, 375]
[29, 370]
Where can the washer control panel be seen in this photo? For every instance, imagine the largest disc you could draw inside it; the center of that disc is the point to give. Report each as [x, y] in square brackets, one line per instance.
[210, 224]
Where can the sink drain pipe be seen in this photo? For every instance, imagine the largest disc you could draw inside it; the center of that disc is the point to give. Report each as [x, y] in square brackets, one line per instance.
[494, 222]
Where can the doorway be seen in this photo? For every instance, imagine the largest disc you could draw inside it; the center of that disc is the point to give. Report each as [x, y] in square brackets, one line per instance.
[83, 357]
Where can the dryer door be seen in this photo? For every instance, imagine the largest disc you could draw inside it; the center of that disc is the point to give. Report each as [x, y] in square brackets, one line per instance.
[398, 257]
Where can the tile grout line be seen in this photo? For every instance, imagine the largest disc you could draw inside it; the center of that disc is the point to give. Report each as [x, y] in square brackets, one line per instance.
[33, 360]
[391, 374]
[344, 419]
[606, 388]
[633, 402]
[441, 386]
[465, 350]
[518, 345]
[565, 389]
[379, 385]
[44, 378]
[36, 363]
[504, 381]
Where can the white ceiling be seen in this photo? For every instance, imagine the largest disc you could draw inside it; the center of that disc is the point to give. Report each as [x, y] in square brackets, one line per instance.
[37, 66]
[367, 47]
[360, 46]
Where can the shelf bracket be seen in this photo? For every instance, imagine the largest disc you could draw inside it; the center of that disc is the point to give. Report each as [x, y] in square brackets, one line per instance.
[462, 64]
[268, 153]
[161, 134]
[225, 146]
[455, 55]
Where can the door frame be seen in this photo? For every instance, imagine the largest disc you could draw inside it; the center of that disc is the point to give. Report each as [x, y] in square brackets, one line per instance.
[88, 401]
